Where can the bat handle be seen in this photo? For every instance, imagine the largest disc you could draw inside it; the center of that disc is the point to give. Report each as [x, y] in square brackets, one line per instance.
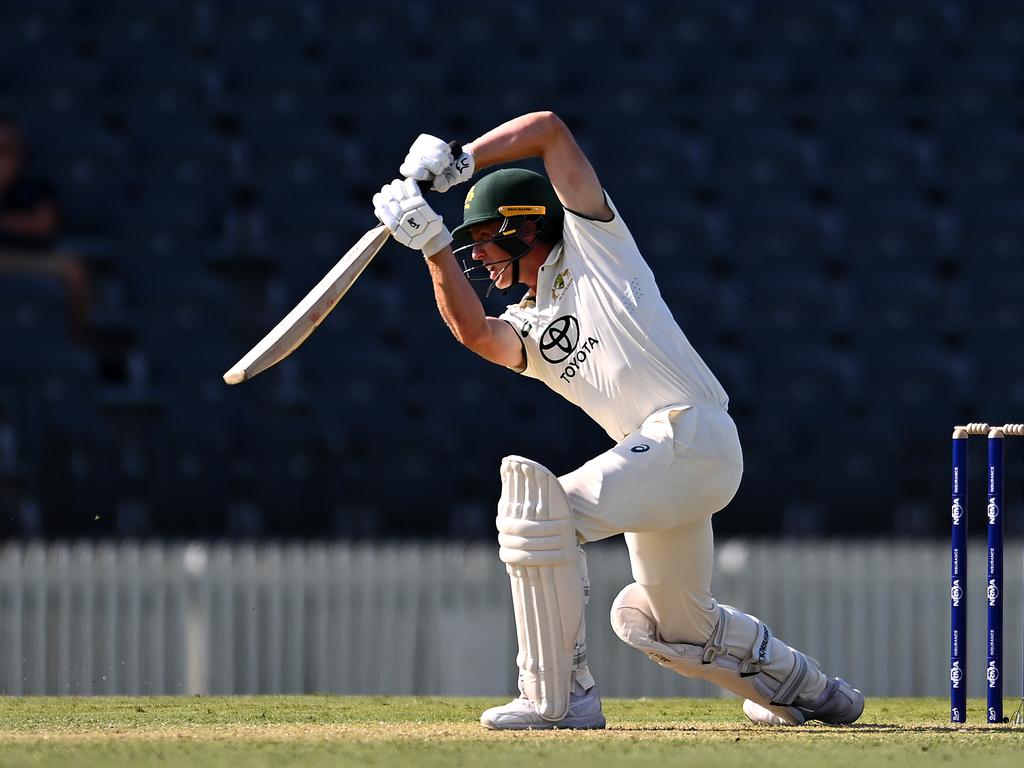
[456, 149]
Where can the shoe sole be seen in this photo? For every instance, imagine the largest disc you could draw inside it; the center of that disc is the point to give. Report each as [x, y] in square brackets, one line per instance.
[594, 725]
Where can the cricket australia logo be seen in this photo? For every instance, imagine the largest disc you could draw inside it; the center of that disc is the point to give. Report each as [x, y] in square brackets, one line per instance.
[993, 511]
[560, 284]
[958, 512]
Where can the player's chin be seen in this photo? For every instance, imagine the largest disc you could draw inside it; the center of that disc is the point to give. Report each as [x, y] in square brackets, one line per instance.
[501, 280]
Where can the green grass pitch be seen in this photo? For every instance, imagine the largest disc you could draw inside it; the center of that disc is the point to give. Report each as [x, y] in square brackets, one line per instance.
[278, 731]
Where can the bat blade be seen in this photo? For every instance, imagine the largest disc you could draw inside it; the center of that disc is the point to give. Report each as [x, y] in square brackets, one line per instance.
[304, 318]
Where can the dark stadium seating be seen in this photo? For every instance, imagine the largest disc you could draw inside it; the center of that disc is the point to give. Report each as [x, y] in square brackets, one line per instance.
[828, 191]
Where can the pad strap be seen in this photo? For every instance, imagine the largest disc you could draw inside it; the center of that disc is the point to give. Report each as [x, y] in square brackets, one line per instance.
[795, 682]
[715, 646]
[757, 658]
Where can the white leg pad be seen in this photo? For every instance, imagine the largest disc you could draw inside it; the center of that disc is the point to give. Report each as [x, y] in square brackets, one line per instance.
[538, 545]
[748, 673]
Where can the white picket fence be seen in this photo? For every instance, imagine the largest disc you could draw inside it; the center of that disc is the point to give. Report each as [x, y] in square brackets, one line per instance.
[419, 619]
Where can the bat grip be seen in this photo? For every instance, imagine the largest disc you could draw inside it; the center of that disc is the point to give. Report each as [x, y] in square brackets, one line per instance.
[456, 149]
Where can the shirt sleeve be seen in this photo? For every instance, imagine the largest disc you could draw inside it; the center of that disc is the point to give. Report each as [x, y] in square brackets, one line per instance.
[522, 322]
[602, 241]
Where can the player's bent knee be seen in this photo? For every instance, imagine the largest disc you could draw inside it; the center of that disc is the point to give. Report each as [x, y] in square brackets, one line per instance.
[633, 621]
[632, 617]
[535, 526]
[748, 674]
[536, 543]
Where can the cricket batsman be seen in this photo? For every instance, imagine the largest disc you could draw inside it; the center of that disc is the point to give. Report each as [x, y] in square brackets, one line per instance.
[593, 327]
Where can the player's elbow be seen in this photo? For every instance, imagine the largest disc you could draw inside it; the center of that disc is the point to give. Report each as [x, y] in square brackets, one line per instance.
[552, 126]
[474, 338]
[477, 338]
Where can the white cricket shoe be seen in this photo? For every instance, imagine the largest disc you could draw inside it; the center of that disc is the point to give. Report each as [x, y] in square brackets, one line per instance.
[839, 704]
[520, 714]
[762, 715]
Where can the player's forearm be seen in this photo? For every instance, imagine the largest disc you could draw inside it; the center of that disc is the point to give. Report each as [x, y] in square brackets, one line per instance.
[525, 136]
[457, 302]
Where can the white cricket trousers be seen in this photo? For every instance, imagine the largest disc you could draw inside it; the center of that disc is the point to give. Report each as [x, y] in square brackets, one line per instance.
[660, 486]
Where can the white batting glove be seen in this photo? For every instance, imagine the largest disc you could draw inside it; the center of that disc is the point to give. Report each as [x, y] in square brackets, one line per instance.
[412, 222]
[430, 159]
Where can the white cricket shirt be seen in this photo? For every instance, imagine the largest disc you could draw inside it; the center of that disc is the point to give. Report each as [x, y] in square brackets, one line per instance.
[600, 334]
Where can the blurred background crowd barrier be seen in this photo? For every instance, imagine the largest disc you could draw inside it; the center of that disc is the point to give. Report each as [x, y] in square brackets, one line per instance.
[368, 619]
[828, 191]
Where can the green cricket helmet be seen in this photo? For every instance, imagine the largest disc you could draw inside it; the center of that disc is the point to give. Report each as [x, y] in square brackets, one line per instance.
[510, 196]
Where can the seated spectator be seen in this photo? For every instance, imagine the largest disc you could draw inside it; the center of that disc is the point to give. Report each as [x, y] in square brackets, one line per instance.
[29, 220]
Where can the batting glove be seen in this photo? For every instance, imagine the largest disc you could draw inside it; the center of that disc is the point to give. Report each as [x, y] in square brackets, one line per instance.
[430, 159]
[412, 222]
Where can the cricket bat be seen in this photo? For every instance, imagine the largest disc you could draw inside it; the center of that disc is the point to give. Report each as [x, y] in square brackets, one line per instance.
[304, 318]
[298, 324]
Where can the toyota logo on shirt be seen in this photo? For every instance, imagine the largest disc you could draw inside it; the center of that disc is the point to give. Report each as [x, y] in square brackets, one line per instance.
[560, 339]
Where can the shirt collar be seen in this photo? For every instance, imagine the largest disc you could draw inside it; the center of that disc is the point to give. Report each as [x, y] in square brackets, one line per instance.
[553, 258]
[555, 255]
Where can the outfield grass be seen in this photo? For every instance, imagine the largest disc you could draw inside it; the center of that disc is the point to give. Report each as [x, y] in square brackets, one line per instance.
[276, 731]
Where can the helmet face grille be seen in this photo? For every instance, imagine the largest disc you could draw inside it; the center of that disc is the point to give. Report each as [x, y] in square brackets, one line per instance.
[507, 238]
